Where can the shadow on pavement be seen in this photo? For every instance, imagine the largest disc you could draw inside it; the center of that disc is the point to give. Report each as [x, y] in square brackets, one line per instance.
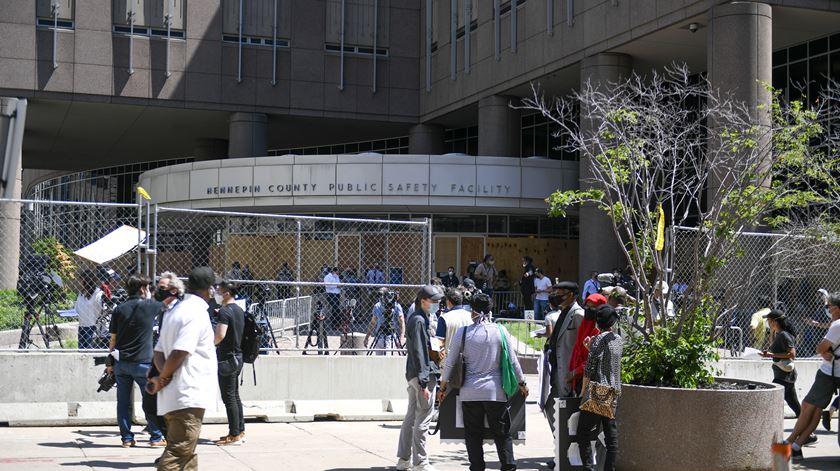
[109, 464]
[817, 464]
[81, 443]
[96, 433]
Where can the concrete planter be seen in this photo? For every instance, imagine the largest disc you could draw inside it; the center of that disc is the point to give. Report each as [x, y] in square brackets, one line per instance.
[703, 430]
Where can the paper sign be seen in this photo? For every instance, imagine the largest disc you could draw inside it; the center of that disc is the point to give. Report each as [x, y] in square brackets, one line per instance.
[115, 243]
[751, 354]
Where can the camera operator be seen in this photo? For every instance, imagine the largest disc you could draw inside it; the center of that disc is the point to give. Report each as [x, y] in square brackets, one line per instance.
[88, 306]
[131, 330]
[450, 279]
[387, 322]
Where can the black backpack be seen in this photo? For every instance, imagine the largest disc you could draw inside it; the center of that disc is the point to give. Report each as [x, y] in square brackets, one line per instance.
[252, 333]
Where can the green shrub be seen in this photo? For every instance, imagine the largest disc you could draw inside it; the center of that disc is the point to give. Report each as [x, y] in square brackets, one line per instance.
[11, 310]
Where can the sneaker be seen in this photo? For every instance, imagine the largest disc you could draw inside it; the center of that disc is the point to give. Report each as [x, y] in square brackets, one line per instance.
[158, 444]
[128, 443]
[811, 439]
[826, 420]
[403, 465]
[229, 440]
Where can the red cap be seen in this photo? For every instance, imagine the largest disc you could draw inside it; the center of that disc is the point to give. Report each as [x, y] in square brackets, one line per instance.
[596, 299]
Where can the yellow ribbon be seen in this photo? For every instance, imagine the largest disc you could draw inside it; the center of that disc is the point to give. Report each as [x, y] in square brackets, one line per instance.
[142, 192]
[660, 230]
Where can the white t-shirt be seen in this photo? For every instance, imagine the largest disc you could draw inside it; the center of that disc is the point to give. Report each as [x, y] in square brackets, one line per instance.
[88, 308]
[542, 283]
[332, 278]
[187, 328]
[833, 336]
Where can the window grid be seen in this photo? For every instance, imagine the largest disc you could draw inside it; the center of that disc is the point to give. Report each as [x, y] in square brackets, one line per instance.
[395, 145]
[255, 41]
[461, 140]
[538, 139]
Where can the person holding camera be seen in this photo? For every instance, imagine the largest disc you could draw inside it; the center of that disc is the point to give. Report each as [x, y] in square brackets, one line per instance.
[387, 323]
[132, 326]
[482, 395]
[421, 374]
[230, 324]
[485, 275]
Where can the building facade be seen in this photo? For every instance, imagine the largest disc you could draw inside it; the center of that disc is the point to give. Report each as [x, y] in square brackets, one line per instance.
[362, 94]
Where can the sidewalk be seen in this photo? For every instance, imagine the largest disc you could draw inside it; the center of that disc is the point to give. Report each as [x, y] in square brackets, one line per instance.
[317, 446]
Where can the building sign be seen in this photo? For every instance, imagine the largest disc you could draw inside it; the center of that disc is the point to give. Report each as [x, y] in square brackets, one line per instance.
[384, 182]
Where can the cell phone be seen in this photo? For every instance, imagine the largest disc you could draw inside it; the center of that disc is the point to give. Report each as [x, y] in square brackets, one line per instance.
[149, 386]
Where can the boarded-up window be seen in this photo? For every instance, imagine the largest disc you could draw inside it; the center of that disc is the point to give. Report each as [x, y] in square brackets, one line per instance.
[64, 9]
[151, 13]
[257, 17]
[358, 22]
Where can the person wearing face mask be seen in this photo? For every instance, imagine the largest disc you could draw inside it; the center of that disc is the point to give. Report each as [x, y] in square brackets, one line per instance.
[450, 279]
[421, 374]
[542, 288]
[559, 346]
[186, 358]
[588, 328]
[526, 282]
[485, 275]
[132, 325]
[230, 325]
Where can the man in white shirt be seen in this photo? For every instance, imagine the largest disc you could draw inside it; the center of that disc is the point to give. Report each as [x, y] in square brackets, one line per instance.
[453, 319]
[825, 384]
[333, 294]
[542, 287]
[186, 358]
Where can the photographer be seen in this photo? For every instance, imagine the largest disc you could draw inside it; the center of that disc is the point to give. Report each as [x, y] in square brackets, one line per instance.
[228, 340]
[131, 330]
[387, 322]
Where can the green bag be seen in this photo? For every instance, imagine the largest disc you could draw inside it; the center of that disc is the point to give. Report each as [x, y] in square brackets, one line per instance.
[509, 382]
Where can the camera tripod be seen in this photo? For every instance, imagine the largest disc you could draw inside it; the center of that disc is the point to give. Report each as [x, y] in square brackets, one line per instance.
[389, 339]
[267, 339]
[33, 314]
[317, 329]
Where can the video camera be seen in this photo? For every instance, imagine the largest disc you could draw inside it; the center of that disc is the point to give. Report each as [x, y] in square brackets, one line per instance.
[388, 299]
[36, 281]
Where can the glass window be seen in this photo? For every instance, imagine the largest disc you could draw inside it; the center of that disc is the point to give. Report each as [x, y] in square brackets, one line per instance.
[817, 72]
[524, 225]
[541, 140]
[527, 142]
[818, 46]
[797, 79]
[458, 223]
[497, 224]
[780, 57]
[554, 227]
[798, 52]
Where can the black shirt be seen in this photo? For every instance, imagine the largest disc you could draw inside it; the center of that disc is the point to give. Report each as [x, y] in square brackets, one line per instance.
[133, 322]
[782, 344]
[232, 316]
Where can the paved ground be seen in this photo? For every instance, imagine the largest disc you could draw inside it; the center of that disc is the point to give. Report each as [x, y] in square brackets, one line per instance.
[321, 446]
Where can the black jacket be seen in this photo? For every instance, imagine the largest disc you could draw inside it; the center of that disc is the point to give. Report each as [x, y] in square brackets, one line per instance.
[418, 364]
[450, 281]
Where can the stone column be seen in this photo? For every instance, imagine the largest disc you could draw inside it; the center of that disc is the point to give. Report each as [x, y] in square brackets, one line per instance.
[499, 126]
[598, 248]
[248, 135]
[10, 239]
[739, 57]
[426, 139]
[210, 149]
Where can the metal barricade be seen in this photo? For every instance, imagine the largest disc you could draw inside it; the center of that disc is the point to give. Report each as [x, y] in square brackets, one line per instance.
[525, 335]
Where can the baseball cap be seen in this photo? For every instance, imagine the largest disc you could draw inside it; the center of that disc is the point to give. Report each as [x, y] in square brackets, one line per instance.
[430, 292]
[202, 278]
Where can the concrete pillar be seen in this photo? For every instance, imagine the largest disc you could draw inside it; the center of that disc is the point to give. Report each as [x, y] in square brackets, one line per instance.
[740, 57]
[210, 149]
[248, 135]
[426, 139]
[10, 238]
[598, 248]
[499, 126]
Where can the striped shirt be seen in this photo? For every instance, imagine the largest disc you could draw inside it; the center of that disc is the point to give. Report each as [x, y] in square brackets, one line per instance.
[482, 355]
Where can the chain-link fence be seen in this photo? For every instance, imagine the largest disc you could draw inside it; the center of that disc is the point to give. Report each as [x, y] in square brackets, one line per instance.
[767, 271]
[312, 282]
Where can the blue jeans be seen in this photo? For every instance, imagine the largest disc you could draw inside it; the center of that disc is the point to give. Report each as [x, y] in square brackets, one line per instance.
[86, 336]
[540, 306]
[127, 374]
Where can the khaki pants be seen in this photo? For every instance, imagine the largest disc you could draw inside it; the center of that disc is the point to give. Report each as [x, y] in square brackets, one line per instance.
[182, 430]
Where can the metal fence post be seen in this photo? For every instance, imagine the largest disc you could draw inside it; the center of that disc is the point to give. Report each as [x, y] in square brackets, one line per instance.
[297, 287]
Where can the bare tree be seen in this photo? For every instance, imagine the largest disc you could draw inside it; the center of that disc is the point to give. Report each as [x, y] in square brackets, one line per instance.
[710, 162]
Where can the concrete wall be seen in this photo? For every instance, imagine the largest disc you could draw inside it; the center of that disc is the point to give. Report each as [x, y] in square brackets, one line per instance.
[60, 388]
[761, 370]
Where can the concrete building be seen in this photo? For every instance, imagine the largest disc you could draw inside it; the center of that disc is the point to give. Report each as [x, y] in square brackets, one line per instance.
[119, 87]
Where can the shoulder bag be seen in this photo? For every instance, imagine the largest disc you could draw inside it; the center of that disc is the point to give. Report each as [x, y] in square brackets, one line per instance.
[456, 376]
[509, 381]
[599, 398]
